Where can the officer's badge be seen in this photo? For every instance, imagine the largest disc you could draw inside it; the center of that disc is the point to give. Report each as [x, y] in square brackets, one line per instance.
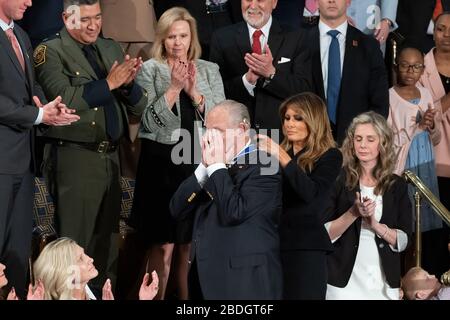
[39, 55]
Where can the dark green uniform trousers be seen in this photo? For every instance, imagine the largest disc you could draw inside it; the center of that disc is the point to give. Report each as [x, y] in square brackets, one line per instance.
[86, 189]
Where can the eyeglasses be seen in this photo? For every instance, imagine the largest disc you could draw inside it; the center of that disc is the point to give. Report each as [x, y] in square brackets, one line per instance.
[404, 67]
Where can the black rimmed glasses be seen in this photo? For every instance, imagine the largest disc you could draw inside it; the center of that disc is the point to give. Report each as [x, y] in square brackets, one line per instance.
[416, 68]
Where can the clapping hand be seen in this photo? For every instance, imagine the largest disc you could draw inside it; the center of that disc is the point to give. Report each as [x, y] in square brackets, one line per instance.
[149, 291]
[107, 291]
[427, 122]
[56, 113]
[121, 73]
[364, 207]
[179, 75]
[260, 64]
[12, 295]
[190, 85]
[38, 292]
[134, 71]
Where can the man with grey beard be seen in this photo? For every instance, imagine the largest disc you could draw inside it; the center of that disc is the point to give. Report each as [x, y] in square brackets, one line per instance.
[261, 63]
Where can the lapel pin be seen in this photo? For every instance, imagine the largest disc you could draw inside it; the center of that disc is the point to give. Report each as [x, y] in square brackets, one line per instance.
[355, 43]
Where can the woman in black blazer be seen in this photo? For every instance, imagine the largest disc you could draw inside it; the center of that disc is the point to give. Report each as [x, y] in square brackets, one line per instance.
[310, 164]
[369, 216]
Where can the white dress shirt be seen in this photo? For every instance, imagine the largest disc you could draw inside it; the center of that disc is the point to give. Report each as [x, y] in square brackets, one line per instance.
[263, 39]
[5, 26]
[325, 41]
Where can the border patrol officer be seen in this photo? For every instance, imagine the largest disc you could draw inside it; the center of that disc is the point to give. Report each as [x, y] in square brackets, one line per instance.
[81, 163]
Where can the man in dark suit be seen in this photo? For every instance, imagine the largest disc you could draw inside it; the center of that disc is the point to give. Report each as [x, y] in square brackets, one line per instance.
[210, 15]
[413, 18]
[20, 110]
[92, 75]
[261, 64]
[347, 68]
[235, 243]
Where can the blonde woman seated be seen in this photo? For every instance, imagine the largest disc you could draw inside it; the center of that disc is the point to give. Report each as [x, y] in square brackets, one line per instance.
[369, 217]
[36, 293]
[65, 271]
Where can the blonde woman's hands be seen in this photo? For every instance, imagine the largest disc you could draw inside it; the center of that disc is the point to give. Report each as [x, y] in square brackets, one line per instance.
[38, 292]
[107, 291]
[149, 291]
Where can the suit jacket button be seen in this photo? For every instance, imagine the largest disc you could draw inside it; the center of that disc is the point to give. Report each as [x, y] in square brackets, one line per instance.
[381, 245]
[95, 109]
[77, 73]
[93, 123]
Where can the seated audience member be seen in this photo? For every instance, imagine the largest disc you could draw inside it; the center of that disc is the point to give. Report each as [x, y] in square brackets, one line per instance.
[181, 89]
[369, 217]
[36, 293]
[310, 164]
[65, 271]
[236, 203]
[418, 284]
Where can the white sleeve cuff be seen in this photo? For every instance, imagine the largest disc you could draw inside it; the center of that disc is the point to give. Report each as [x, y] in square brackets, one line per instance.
[402, 241]
[39, 117]
[214, 167]
[201, 174]
[327, 227]
[248, 86]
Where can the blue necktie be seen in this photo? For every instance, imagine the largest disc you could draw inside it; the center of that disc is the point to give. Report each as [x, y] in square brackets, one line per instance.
[334, 75]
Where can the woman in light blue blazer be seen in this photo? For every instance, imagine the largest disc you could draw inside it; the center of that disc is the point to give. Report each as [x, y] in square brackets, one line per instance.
[374, 17]
[181, 89]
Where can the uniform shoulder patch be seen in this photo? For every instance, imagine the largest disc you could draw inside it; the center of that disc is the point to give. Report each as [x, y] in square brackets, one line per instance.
[39, 55]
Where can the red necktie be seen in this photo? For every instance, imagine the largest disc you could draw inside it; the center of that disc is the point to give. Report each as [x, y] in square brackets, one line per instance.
[438, 9]
[312, 5]
[15, 44]
[256, 46]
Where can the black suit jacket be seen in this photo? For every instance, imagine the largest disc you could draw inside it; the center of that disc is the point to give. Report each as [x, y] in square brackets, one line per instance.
[397, 213]
[235, 240]
[290, 12]
[228, 48]
[364, 84]
[304, 195]
[413, 18]
[17, 112]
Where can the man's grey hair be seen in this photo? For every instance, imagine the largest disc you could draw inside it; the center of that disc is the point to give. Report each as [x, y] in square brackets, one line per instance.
[68, 3]
[237, 112]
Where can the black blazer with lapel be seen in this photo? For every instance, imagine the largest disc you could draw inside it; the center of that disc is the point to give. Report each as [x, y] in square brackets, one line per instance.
[17, 112]
[235, 241]
[228, 48]
[397, 213]
[304, 195]
[364, 83]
